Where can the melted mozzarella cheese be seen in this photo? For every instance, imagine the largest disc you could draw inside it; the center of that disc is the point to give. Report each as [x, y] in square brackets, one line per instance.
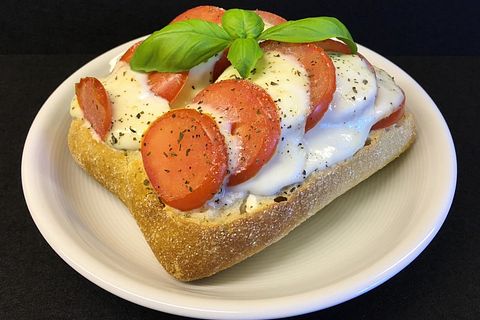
[345, 126]
[199, 77]
[134, 106]
[224, 197]
[347, 123]
[389, 96]
[361, 99]
[356, 88]
[232, 141]
[286, 81]
[363, 96]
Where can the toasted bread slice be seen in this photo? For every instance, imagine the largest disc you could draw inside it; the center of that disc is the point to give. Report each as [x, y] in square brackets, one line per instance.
[196, 245]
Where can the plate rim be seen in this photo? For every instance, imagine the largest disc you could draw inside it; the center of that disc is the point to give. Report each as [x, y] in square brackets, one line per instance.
[263, 308]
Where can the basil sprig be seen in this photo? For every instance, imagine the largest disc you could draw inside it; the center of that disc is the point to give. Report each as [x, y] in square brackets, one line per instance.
[242, 23]
[244, 54]
[310, 30]
[182, 45]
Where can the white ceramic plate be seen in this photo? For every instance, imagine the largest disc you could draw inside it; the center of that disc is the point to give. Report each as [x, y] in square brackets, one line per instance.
[356, 243]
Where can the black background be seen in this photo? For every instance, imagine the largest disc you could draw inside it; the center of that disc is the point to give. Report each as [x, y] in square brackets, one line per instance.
[389, 27]
[42, 43]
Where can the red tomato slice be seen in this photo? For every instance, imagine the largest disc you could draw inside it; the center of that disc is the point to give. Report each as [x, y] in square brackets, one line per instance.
[220, 66]
[334, 46]
[127, 56]
[254, 118]
[207, 13]
[163, 84]
[392, 118]
[95, 104]
[167, 84]
[321, 73]
[270, 18]
[185, 158]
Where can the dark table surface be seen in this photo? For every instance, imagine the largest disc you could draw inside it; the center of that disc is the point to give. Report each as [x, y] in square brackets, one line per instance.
[443, 282]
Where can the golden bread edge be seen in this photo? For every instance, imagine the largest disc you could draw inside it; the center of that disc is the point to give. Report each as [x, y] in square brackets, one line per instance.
[190, 248]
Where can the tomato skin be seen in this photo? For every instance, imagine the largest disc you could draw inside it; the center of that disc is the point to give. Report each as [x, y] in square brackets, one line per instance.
[167, 84]
[163, 84]
[320, 70]
[220, 66]
[185, 157]
[127, 56]
[207, 13]
[270, 18]
[95, 104]
[254, 120]
[334, 46]
[393, 118]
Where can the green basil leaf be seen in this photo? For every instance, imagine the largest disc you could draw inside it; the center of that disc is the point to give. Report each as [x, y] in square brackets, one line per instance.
[310, 30]
[242, 23]
[180, 46]
[244, 54]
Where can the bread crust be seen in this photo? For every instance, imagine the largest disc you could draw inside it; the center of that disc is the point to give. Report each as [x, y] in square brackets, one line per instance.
[194, 246]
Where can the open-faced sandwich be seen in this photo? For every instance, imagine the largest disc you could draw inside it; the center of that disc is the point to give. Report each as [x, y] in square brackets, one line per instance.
[225, 130]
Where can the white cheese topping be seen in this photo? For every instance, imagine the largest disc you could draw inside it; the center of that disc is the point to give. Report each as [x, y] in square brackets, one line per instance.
[286, 81]
[363, 96]
[134, 106]
[345, 126]
[232, 141]
[389, 96]
[199, 77]
[358, 103]
[355, 88]
[224, 197]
